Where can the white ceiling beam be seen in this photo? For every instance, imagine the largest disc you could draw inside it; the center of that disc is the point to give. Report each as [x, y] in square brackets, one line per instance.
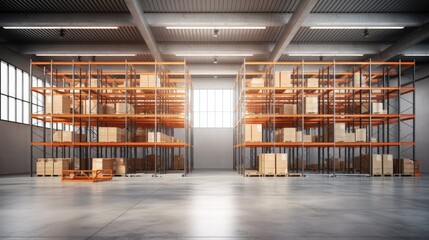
[404, 43]
[213, 19]
[291, 28]
[136, 10]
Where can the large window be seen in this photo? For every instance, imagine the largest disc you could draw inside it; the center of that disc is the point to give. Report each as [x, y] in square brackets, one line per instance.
[213, 108]
[14, 90]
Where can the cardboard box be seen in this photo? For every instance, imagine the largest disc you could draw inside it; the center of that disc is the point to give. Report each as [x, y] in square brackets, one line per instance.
[376, 164]
[124, 108]
[256, 132]
[178, 162]
[286, 135]
[61, 164]
[360, 134]
[40, 166]
[340, 132]
[111, 134]
[149, 81]
[49, 166]
[110, 108]
[312, 82]
[282, 78]
[404, 166]
[248, 132]
[281, 164]
[61, 104]
[288, 109]
[377, 108]
[91, 107]
[374, 139]
[103, 163]
[256, 82]
[57, 136]
[311, 105]
[350, 137]
[387, 164]
[359, 80]
[267, 163]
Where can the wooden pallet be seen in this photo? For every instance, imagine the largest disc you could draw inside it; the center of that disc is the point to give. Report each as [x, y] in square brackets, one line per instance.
[252, 173]
[402, 175]
[294, 174]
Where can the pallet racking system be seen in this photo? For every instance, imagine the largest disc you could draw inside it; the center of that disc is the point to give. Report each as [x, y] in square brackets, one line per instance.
[162, 106]
[342, 89]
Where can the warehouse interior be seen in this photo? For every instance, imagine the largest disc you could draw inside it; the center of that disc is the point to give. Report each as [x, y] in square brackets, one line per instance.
[192, 168]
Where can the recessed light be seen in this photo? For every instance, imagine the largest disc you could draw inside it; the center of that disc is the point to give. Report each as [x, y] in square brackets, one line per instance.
[214, 55]
[217, 27]
[357, 27]
[60, 27]
[86, 54]
[325, 54]
[416, 55]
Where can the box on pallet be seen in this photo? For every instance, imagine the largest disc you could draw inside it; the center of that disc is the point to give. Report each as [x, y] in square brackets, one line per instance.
[61, 104]
[350, 137]
[304, 138]
[104, 164]
[111, 134]
[267, 163]
[374, 160]
[124, 108]
[150, 80]
[140, 135]
[360, 134]
[61, 164]
[282, 78]
[311, 105]
[281, 164]
[288, 109]
[178, 162]
[339, 164]
[404, 166]
[387, 164]
[286, 135]
[253, 133]
[40, 166]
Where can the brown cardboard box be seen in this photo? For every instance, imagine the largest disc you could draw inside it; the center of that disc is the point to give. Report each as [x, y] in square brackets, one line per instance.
[377, 164]
[40, 166]
[366, 164]
[374, 139]
[256, 132]
[103, 163]
[61, 104]
[281, 164]
[358, 79]
[57, 136]
[340, 132]
[68, 137]
[404, 166]
[178, 162]
[377, 108]
[61, 164]
[149, 81]
[286, 135]
[248, 132]
[288, 109]
[360, 134]
[282, 78]
[110, 108]
[49, 166]
[350, 137]
[111, 134]
[124, 108]
[267, 163]
[387, 164]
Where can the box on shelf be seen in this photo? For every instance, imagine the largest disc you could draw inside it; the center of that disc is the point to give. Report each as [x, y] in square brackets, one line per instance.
[49, 166]
[124, 108]
[350, 137]
[311, 105]
[103, 163]
[286, 135]
[282, 78]
[340, 132]
[281, 164]
[121, 167]
[67, 136]
[91, 107]
[377, 108]
[387, 164]
[141, 135]
[312, 82]
[40, 166]
[110, 108]
[111, 134]
[267, 163]
[178, 162]
[359, 79]
[253, 133]
[288, 109]
[339, 164]
[160, 137]
[360, 134]
[150, 80]
[256, 82]
[61, 164]
[61, 104]
[57, 136]
[304, 138]
[374, 139]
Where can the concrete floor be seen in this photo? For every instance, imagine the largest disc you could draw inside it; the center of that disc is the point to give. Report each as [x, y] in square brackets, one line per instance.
[215, 205]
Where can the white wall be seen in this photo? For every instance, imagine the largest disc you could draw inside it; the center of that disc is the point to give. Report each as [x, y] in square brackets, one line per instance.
[422, 124]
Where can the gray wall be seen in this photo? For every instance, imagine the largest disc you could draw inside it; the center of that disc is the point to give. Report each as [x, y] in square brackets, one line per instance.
[14, 148]
[422, 124]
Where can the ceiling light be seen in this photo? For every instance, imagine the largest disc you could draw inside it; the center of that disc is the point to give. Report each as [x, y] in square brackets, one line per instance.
[86, 54]
[215, 60]
[325, 55]
[214, 55]
[217, 27]
[216, 33]
[416, 55]
[356, 27]
[60, 27]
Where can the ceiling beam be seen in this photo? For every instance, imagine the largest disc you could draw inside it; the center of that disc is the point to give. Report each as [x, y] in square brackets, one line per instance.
[292, 27]
[213, 19]
[243, 47]
[136, 10]
[404, 43]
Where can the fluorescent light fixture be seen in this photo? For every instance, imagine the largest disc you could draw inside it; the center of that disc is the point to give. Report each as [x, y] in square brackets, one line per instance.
[217, 27]
[325, 55]
[60, 27]
[86, 54]
[356, 27]
[214, 55]
[416, 55]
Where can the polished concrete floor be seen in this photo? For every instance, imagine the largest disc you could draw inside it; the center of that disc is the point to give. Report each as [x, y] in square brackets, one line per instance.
[215, 205]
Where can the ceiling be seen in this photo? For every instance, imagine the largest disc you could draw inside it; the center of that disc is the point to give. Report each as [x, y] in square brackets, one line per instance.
[146, 34]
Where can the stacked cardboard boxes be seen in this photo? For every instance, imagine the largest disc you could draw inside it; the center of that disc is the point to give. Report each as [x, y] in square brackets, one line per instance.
[350, 137]
[256, 82]
[67, 136]
[160, 137]
[111, 134]
[103, 163]
[312, 82]
[282, 79]
[404, 166]
[178, 162]
[61, 104]
[304, 138]
[124, 108]
[377, 166]
[387, 164]
[340, 132]
[110, 108]
[150, 81]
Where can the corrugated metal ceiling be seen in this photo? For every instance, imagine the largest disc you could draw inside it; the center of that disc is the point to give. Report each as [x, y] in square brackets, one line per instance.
[137, 58]
[123, 34]
[371, 6]
[286, 58]
[306, 34]
[63, 6]
[162, 34]
[221, 60]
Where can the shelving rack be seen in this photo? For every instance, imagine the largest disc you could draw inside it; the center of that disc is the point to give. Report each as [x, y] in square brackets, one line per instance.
[164, 107]
[340, 97]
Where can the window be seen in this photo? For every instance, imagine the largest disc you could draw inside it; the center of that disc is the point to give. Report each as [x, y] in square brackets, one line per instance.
[15, 95]
[213, 108]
